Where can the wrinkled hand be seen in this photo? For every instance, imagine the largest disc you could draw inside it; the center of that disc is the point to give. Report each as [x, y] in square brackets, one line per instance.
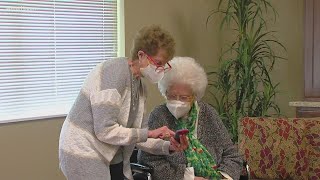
[176, 146]
[199, 178]
[163, 132]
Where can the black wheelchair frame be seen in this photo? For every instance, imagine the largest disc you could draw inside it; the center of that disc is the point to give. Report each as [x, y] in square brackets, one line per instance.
[142, 172]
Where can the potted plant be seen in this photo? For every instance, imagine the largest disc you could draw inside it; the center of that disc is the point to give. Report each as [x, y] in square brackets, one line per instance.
[242, 85]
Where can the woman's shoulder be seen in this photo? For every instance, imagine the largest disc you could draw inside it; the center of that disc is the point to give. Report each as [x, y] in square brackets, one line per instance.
[208, 113]
[113, 74]
[162, 113]
[206, 107]
[161, 116]
[116, 65]
[160, 109]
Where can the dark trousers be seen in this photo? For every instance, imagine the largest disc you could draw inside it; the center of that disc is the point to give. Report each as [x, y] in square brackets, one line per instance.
[116, 171]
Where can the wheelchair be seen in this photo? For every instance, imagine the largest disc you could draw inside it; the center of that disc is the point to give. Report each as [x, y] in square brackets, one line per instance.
[141, 172]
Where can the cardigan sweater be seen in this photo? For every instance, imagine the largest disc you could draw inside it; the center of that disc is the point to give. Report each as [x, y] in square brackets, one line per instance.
[107, 120]
[211, 132]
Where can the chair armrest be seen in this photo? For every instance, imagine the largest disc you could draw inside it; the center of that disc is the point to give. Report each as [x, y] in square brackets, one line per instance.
[140, 168]
[246, 166]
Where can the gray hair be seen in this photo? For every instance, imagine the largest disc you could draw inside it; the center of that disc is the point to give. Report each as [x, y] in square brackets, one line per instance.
[185, 70]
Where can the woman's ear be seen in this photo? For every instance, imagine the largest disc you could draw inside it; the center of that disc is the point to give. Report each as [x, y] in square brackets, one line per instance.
[140, 54]
[130, 63]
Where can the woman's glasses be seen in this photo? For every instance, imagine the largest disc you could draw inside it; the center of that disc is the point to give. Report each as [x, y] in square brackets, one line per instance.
[159, 68]
[183, 98]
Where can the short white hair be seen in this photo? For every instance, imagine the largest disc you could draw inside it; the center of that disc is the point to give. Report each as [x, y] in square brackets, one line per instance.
[185, 70]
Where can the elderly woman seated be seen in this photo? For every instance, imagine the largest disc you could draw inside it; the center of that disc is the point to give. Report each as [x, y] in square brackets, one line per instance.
[211, 153]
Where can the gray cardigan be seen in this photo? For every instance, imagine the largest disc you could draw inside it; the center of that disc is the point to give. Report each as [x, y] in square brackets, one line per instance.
[104, 123]
[212, 134]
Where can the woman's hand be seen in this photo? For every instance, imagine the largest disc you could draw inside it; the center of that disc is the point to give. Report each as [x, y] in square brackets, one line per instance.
[163, 132]
[176, 146]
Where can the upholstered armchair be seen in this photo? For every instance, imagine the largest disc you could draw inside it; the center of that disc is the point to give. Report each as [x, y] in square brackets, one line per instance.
[280, 148]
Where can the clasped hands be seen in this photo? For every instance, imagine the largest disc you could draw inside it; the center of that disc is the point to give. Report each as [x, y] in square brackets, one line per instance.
[166, 134]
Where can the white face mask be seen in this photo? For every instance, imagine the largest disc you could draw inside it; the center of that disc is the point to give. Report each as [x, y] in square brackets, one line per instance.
[150, 73]
[178, 108]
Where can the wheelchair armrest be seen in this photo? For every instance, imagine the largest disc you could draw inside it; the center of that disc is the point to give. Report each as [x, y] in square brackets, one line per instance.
[140, 168]
[247, 168]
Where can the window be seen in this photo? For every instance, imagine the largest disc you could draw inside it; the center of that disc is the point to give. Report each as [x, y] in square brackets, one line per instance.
[311, 50]
[46, 50]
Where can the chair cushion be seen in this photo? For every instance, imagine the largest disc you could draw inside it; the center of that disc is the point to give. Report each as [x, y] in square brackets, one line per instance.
[313, 145]
[275, 148]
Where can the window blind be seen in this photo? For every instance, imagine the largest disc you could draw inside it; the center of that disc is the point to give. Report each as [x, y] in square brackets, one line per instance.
[46, 50]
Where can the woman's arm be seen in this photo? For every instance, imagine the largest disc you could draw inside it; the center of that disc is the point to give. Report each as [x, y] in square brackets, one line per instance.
[106, 102]
[231, 162]
[164, 166]
[105, 107]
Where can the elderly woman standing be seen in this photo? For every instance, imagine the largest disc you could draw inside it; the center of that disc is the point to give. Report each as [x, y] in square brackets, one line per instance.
[108, 118]
[211, 153]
